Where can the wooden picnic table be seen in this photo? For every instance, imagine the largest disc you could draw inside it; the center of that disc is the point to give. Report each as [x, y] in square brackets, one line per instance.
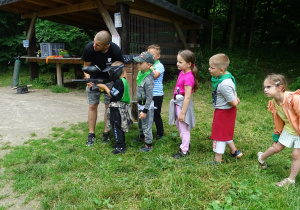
[58, 61]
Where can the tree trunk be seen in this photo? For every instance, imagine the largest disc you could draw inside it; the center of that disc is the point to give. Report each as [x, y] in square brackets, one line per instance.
[233, 13]
[225, 32]
[242, 24]
[212, 26]
[253, 7]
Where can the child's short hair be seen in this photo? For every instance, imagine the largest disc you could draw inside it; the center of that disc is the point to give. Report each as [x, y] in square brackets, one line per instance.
[156, 47]
[221, 61]
[277, 79]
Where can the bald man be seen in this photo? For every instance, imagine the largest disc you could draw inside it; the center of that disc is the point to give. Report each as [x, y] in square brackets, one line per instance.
[101, 52]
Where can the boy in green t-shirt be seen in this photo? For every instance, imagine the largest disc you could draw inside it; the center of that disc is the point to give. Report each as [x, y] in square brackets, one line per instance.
[119, 105]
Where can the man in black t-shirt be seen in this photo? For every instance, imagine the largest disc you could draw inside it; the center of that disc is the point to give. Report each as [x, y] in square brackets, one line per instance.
[101, 52]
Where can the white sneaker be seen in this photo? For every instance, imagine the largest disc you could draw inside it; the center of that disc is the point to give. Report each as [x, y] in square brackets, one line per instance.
[262, 163]
[285, 182]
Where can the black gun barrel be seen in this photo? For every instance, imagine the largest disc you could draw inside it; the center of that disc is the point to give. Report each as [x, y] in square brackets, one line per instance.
[96, 81]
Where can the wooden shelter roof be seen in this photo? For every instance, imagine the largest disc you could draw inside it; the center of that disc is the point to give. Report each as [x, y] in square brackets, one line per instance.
[85, 13]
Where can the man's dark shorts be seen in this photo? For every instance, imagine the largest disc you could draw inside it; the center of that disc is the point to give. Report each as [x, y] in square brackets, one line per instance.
[93, 96]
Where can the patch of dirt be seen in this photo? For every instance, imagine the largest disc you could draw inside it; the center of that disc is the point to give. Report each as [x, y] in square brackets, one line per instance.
[33, 115]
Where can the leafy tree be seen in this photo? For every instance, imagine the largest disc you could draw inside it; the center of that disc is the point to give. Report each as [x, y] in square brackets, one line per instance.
[11, 36]
[74, 38]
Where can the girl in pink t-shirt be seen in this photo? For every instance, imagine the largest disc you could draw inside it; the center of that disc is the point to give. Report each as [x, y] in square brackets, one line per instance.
[187, 83]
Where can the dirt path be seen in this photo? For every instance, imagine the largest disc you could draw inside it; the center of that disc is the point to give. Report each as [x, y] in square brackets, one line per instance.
[36, 112]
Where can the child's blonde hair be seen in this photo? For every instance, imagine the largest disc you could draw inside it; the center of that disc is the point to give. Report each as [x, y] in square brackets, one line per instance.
[277, 79]
[189, 56]
[156, 47]
[220, 60]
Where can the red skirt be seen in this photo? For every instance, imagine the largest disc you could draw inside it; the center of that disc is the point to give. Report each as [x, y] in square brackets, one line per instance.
[223, 124]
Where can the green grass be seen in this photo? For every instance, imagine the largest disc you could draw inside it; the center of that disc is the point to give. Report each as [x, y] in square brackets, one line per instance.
[63, 173]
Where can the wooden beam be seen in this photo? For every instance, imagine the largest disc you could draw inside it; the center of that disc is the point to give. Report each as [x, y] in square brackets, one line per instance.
[43, 3]
[31, 27]
[149, 15]
[180, 34]
[63, 10]
[65, 1]
[106, 17]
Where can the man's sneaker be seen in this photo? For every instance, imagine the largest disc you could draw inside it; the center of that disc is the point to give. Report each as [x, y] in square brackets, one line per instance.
[180, 154]
[285, 182]
[91, 139]
[237, 154]
[119, 150]
[158, 137]
[261, 162]
[140, 138]
[105, 137]
[214, 162]
[145, 148]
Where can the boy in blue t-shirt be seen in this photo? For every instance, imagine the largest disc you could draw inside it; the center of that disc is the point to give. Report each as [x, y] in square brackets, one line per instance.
[158, 92]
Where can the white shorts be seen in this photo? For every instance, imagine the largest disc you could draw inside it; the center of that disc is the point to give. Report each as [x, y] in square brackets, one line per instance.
[219, 146]
[289, 140]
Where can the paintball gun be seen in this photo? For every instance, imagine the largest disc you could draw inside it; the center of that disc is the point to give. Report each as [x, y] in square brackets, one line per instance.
[91, 70]
[96, 81]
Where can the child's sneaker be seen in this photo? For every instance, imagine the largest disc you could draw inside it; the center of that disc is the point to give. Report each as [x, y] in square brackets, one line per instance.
[139, 138]
[180, 154]
[91, 139]
[237, 154]
[212, 163]
[261, 162]
[145, 148]
[285, 182]
[119, 150]
[105, 137]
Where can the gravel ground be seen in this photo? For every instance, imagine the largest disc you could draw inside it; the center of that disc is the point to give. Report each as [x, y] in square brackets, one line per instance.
[37, 111]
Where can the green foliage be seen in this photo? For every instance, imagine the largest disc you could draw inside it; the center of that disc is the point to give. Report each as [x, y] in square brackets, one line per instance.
[59, 89]
[295, 85]
[74, 38]
[11, 36]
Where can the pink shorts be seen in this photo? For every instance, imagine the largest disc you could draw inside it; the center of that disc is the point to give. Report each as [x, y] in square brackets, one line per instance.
[223, 124]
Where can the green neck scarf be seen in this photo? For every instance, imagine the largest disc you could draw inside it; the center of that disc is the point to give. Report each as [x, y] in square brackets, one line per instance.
[217, 80]
[156, 62]
[141, 76]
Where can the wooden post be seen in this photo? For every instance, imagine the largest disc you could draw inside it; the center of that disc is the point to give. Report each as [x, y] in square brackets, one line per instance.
[59, 74]
[193, 39]
[30, 29]
[124, 30]
[180, 34]
[106, 17]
